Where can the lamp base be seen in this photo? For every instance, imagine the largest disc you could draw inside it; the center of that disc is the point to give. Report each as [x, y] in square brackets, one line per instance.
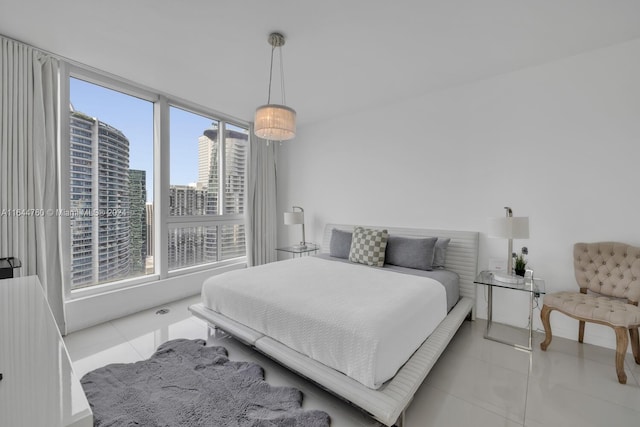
[300, 246]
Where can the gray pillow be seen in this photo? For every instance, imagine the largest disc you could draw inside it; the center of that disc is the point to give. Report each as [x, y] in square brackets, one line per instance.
[441, 252]
[368, 246]
[411, 252]
[340, 243]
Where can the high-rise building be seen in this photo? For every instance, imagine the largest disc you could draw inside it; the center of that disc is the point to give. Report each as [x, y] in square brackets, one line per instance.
[112, 232]
[199, 244]
[212, 188]
[99, 201]
[81, 198]
[233, 241]
[206, 142]
[186, 200]
[187, 244]
[235, 161]
[138, 220]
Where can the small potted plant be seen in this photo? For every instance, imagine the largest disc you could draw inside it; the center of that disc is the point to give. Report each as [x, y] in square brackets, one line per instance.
[519, 263]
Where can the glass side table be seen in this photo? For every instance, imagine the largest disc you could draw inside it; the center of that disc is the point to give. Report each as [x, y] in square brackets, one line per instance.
[311, 248]
[534, 286]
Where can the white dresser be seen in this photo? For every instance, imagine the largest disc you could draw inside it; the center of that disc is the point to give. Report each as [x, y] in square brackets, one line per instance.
[38, 387]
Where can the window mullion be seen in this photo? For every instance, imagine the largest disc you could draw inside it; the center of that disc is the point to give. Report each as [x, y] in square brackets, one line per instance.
[161, 191]
[221, 184]
[222, 167]
[180, 220]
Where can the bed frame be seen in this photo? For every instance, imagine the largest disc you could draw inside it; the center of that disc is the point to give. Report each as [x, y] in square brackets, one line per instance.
[388, 403]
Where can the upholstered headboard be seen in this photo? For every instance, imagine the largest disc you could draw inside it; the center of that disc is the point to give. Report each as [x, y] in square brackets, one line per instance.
[462, 253]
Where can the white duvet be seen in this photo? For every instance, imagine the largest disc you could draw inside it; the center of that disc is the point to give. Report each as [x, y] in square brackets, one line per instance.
[361, 321]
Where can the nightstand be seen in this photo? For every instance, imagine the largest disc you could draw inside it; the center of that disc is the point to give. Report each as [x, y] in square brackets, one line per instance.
[534, 286]
[311, 248]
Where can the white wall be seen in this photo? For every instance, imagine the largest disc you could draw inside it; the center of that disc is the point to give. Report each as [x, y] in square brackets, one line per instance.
[559, 143]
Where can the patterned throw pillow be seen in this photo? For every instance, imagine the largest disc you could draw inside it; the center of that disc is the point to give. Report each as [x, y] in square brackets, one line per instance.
[368, 246]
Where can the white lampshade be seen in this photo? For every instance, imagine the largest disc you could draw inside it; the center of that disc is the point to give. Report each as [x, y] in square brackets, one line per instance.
[513, 227]
[292, 218]
[275, 122]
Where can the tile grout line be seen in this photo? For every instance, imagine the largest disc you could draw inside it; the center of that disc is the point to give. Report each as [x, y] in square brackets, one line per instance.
[526, 393]
[630, 364]
[474, 404]
[609, 368]
[127, 340]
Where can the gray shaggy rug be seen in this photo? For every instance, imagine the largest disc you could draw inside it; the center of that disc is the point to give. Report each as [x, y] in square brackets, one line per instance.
[185, 383]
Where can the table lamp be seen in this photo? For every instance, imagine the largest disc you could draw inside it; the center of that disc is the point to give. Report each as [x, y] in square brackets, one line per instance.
[509, 227]
[294, 218]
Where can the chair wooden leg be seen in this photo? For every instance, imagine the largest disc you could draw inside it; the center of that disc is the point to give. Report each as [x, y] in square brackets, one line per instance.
[544, 316]
[635, 344]
[581, 331]
[622, 341]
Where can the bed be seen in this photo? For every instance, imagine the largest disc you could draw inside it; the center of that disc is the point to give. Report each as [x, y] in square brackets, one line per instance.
[382, 385]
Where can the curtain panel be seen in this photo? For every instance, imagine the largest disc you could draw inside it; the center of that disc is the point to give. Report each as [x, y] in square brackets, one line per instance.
[29, 227]
[261, 202]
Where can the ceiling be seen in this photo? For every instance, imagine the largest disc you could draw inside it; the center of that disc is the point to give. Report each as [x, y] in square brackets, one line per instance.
[341, 56]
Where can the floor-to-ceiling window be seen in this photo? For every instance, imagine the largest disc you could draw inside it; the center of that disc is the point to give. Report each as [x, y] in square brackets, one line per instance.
[207, 190]
[116, 236]
[110, 184]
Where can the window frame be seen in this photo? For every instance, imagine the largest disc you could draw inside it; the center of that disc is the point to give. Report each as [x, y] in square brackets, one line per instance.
[162, 221]
[218, 219]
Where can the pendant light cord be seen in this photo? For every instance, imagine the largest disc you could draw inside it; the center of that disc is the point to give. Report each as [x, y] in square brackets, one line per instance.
[270, 75]
[284, 98]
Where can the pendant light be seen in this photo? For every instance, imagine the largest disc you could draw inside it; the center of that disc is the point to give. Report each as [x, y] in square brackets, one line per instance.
[275, 122]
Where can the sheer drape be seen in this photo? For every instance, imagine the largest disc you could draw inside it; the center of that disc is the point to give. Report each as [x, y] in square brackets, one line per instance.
[261, 202]
[29, 166]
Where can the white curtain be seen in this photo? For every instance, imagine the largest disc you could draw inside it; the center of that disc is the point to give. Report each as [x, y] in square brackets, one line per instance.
[29, 228]
[261, 203]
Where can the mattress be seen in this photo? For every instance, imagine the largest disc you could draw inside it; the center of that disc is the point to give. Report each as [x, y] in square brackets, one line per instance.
[449, 279]
[358, 320]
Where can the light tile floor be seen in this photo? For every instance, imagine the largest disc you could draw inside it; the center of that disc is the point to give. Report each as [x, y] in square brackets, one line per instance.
[475, 382]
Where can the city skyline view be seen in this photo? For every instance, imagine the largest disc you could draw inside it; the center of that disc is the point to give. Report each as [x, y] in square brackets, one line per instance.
[111, 177]
[134, 117]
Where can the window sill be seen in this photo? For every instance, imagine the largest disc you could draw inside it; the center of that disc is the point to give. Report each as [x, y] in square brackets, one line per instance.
[85, 310]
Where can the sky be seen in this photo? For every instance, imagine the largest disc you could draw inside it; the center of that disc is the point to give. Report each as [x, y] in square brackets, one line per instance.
[134, 117]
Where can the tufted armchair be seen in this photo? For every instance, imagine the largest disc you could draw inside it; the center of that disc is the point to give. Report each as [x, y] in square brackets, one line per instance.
[608, 275]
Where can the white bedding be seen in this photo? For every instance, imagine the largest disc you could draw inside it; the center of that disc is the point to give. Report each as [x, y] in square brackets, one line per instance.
[361, 321]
